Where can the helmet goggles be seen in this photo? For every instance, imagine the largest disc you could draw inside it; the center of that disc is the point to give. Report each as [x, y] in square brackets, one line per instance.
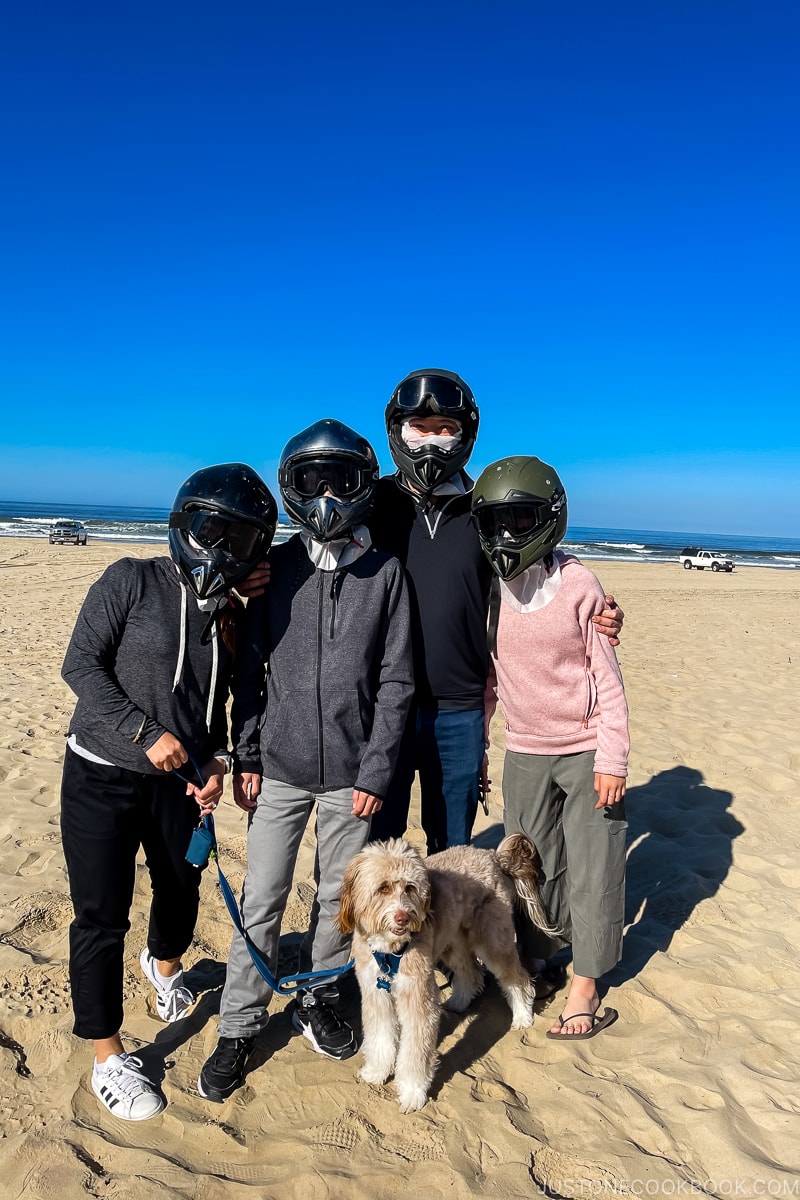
[414, 394]
[516, 520]
[216, 531]
[313, 477]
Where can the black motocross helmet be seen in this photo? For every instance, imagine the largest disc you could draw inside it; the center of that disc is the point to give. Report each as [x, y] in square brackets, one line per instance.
[327, 476]
[222, 524]
[431, 393]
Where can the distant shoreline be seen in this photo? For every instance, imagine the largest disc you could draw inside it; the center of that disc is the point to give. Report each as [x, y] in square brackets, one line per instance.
[593, 560]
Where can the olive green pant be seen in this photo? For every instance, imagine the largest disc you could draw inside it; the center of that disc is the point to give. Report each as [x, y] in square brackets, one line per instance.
[552, 799]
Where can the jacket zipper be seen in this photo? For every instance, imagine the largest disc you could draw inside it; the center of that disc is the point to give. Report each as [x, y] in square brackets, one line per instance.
[320, 746]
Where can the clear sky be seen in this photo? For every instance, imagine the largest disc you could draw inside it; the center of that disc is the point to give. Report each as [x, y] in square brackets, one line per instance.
[222, 221]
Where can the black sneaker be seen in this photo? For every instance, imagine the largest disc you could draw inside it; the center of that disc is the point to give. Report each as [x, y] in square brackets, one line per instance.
[324, 1028]
[222, 1072]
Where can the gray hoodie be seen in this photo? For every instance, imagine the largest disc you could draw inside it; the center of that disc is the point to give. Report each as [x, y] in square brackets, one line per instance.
[329, 709]
[143, 656]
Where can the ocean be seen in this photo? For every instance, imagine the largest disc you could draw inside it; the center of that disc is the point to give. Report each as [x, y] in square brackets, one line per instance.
[109, 523]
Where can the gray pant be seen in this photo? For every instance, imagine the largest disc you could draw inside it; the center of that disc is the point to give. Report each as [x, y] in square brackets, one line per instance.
[551, 798]
[273, 841]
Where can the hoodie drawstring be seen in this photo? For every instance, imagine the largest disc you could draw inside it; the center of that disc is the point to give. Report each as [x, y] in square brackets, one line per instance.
[214, 668]
[214, 655]
[182, 641]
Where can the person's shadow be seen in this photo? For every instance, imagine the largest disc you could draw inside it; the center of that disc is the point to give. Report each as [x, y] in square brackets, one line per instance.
[680, 836]
[679, 840]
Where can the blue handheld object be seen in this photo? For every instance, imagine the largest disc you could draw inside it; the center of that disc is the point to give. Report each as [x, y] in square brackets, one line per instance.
[202, 843]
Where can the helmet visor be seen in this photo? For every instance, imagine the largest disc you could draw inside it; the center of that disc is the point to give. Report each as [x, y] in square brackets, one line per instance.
[314, 477]
[516, 521]
[414, 394]
[215, 531]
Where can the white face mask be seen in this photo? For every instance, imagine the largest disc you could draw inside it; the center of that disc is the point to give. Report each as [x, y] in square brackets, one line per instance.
[415, 440]
[533, 589]
[327, 556]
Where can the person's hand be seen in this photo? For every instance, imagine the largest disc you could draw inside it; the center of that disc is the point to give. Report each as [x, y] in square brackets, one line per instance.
[167, 754]
[365, 804]
[256, 582]
[609, 788]
[246, 787]
[609, 621]
[208, 797]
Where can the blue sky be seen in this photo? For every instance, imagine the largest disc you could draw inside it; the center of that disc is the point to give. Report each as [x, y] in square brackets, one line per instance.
[221, 222]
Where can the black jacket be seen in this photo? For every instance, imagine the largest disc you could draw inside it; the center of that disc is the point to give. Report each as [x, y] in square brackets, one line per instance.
[449, 580]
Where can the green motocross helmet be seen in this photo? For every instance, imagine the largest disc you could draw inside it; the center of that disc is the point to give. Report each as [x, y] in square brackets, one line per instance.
[519, 508]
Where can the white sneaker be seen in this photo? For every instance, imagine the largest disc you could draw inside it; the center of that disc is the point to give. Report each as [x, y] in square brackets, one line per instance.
[124, 1090]
[173, 1001]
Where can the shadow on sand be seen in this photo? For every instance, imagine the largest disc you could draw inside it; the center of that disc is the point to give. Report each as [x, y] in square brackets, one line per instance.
[680, 836]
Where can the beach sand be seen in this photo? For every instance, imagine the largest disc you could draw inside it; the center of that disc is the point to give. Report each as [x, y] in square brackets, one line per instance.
[697, 1084]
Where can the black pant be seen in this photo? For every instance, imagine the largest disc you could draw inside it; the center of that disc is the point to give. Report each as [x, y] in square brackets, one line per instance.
[106, 814]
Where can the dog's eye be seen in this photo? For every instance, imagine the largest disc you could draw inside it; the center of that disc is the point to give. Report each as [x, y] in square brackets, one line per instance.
[411, 890]
[384, 889]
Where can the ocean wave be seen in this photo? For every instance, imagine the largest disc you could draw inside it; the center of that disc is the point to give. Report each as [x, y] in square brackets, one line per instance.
[112, 523]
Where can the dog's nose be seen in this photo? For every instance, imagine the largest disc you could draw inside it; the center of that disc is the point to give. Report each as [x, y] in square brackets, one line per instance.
[400, 917]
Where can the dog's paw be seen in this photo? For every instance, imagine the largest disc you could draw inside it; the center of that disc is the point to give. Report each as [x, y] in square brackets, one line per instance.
[373, 1074]
[411, 1099]
[522, 1020]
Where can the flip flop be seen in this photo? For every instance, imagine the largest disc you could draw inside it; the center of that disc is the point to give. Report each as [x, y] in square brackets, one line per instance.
[598, 1023]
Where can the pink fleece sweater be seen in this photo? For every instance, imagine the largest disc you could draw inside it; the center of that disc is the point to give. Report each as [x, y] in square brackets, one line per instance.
[558, 680]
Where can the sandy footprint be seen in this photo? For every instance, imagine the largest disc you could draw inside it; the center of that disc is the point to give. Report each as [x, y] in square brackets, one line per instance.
[562, 1174]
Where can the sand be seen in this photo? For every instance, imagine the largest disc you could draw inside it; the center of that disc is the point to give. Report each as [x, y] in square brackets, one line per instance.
[697, 1084]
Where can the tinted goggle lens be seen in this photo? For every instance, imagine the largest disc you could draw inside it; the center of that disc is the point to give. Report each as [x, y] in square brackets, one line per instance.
[214, 531]
[413, 393]
[310, 479]
[513, 520]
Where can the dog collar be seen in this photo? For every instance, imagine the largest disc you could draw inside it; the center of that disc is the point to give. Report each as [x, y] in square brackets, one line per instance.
[388, 966]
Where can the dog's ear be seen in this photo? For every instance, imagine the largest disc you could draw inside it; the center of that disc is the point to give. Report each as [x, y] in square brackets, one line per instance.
[425, 894]
[346, 917]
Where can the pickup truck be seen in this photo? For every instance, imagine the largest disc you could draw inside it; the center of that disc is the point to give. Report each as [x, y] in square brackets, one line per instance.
[696, 556]
[67, 531]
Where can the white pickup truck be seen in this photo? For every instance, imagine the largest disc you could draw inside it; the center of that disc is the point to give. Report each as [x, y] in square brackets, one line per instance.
[696, 556]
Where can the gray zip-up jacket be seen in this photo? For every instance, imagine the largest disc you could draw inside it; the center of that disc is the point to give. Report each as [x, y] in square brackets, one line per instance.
[324, 679]
[144, 657]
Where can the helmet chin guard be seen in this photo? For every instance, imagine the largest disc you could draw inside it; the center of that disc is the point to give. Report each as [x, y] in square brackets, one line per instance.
[505, 562]
[325, 519]
[207, 581]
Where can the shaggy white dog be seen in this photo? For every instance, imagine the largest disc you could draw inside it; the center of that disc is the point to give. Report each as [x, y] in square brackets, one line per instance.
[405, 915]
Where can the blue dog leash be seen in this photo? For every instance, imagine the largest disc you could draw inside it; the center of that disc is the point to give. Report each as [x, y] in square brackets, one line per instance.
[289, 983]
